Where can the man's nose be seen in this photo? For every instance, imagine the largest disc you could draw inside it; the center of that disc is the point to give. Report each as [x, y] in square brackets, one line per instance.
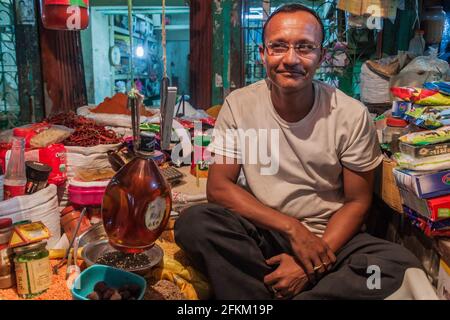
[291, 57]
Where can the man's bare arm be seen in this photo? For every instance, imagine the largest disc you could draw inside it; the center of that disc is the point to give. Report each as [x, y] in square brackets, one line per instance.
[223, 190]
[347, 221]
[309, 249]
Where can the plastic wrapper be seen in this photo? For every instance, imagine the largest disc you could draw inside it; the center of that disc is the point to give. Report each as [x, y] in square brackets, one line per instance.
[428, 117]
[441, 86]
[420, 96]
[433, 163]
[427, 137]
[54, 134]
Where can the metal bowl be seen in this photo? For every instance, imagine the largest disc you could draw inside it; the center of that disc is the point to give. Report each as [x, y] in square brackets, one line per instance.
[94, 233]
[93, 250]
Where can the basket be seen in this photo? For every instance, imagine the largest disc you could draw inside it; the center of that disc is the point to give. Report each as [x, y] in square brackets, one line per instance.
[389, 190]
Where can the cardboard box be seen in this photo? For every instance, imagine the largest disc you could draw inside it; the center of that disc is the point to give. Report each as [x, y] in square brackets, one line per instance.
[440, 228]
[443, 285]
[424, 185]
[433, 209]
[425, 151]
[399, 108]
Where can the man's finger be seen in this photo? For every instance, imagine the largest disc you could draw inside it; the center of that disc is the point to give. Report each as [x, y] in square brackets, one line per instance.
[325, 262]
[271, 278]
[274, 260]
[309, 269]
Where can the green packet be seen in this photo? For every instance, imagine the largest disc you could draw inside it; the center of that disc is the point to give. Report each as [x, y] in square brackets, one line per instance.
[152, 127]
[427, 137]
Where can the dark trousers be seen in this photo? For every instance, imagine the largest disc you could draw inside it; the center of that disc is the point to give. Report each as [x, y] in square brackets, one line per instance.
[231, 252]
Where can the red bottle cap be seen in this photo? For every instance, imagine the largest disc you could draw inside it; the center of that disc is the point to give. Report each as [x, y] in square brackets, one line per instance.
[5, 223]
[393, 122]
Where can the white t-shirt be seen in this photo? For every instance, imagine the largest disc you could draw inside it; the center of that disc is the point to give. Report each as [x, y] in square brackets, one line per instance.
[296, 168]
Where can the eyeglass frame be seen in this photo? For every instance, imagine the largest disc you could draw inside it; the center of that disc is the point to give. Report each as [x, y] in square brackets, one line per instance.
[289, 46]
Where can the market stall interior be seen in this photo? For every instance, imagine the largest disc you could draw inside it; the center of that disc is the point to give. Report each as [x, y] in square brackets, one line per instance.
[107, 116]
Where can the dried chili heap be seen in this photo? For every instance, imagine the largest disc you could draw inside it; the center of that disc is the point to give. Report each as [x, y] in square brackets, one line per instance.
[87, 133]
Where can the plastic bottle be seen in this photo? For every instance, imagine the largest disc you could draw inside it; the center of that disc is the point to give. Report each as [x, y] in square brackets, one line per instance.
[2, 179]
[417, 43]
[15, 177]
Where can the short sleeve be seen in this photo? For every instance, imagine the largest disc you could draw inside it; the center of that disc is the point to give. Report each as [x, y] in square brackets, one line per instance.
[224, 138]
[361, 151]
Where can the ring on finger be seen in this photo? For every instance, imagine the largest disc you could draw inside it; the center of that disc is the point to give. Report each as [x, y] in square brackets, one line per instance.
[318, 267]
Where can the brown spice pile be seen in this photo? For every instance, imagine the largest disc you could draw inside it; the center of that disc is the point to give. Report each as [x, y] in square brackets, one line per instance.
[163, 290]
[118, 105]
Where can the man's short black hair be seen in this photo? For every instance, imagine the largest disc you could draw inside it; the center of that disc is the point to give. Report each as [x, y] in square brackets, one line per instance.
[290, 8]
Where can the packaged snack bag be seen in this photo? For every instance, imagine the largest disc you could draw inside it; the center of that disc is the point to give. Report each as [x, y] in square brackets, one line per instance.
[420, 96]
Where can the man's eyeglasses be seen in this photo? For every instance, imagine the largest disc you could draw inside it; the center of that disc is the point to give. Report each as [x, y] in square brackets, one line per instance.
[281, 48]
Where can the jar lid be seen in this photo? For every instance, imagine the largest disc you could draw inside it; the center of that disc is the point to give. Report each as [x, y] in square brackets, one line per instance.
[5, 223]
[37, 170]
[148, 142]
[394, 122]
[30, 247]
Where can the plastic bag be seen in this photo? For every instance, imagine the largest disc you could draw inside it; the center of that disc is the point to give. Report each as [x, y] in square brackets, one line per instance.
[191, 283]
[421, 96]
[442, 87]
[53, 156]
[52, 135]
[428, 117]
[427, 137]
[441, 162]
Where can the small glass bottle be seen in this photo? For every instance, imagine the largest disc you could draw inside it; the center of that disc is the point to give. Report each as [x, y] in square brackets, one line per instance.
[15, 177]
[33, 270]
[394, 130]
[137, 202]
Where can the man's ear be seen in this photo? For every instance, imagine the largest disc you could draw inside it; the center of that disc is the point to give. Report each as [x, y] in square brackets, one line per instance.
[261, 53]
[323, 53]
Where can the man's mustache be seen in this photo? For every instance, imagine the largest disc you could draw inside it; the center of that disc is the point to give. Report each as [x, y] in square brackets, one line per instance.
[301, 72]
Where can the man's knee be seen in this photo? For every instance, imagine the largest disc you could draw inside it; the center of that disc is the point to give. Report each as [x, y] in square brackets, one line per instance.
[192, 225]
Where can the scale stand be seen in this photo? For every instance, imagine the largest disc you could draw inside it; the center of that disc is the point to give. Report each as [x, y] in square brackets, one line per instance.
[168, 101]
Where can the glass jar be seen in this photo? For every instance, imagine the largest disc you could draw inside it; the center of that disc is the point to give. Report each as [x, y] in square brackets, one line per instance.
[394, 130]
[65, 14]
[7, 278]
[33, 270]
[433, 21]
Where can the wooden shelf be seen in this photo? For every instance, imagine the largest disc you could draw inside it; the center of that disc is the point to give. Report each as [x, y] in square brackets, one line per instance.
[121, 76]
[135, 35]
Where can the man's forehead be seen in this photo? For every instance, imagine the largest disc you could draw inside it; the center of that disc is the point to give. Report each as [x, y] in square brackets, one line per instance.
[296, 22]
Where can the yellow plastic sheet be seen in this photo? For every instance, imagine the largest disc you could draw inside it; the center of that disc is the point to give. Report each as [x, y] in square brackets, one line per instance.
[191, 283]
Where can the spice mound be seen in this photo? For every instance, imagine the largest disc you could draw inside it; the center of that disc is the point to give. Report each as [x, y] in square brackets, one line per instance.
[118, 105]
[126, 261]
[164, 290]
[87, 133]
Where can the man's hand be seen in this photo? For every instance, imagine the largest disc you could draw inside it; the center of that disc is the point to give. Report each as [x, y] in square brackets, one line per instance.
[312, 252]
[288, 279]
